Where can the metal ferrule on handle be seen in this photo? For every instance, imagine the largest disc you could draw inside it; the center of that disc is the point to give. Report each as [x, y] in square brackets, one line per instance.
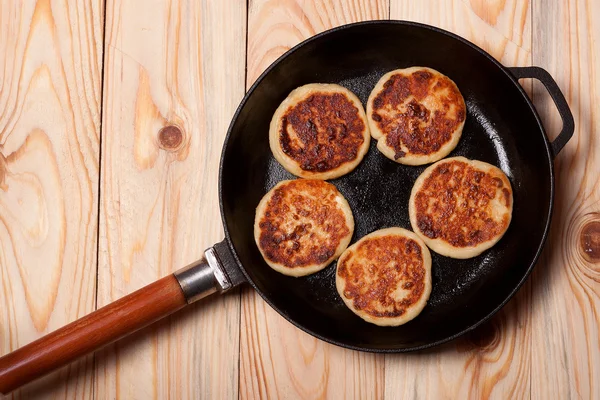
[203, 277]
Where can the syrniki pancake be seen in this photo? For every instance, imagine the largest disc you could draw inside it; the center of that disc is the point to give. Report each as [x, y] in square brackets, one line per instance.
[461, 207]
[385, 277]
[319, 131]
[416, 114]
[302, 225]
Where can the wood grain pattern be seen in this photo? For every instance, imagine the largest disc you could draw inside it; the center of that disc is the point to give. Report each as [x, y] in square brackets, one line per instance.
[178, 63]
[274, 26]
[277, 360]
[493, 361]
[85, 335]
[50, 74]
[565, 359]
[501, 27]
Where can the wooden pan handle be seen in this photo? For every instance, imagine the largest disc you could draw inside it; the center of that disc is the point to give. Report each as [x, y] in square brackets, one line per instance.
[91, 332]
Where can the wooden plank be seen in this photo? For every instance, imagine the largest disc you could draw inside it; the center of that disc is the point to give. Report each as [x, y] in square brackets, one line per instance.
[565, 360]
[50, 81]
[277, 359]
[493, 361]
[180, 64]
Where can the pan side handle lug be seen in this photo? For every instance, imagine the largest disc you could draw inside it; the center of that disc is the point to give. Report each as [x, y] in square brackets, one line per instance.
[559, 100]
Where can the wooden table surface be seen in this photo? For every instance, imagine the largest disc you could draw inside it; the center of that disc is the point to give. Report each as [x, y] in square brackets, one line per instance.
[93, 205]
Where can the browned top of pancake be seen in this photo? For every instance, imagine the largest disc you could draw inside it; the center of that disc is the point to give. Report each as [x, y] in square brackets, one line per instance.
[377, 268]
[327, 131]
[302, 224]
[454, 204]
[423, 131]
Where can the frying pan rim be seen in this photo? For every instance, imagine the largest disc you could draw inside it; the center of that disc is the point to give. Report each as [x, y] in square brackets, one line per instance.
[484, 53]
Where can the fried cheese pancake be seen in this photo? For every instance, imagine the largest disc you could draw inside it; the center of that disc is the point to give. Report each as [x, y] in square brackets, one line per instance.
[416, 115]
[461, 207]
[319, 131]
[385, 277]
[302, 225]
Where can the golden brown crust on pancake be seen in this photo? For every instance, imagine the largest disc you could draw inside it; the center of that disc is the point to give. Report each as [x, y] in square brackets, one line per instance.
[416, 114]
[319, 131]
[302, 225]
[461, 207]
[385, 278]
[328, 129]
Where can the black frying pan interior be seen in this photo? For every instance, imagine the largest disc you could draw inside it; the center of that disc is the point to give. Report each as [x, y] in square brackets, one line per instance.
[501, 128]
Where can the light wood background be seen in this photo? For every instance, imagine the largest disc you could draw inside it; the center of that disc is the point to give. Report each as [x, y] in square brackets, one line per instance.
[93, 204]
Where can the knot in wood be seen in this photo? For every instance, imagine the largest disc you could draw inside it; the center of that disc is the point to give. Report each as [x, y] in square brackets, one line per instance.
[589, 240]
[170, 137]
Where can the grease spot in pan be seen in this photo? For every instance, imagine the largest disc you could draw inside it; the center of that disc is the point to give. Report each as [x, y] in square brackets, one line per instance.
[275, 174]
[362, 87]
[490, 129]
